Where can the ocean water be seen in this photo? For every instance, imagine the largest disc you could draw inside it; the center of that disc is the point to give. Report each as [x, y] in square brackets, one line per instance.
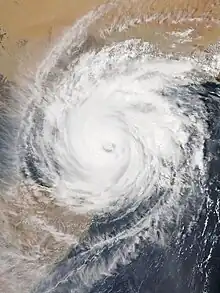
[119, 132]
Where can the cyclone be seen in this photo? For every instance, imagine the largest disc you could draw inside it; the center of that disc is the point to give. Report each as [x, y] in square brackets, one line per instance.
[108, 137]
[118, 131]
[105, 136]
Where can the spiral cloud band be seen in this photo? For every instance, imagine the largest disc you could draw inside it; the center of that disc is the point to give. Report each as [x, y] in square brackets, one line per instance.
[118, 131]
[107, 136]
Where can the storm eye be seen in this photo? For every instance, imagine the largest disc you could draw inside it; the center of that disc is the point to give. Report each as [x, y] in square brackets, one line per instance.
[109, 148]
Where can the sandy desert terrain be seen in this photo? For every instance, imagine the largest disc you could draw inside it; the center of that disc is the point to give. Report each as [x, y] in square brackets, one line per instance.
[29, 25]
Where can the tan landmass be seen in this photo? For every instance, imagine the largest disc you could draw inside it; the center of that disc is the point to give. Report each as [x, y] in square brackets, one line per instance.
[27, 24]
